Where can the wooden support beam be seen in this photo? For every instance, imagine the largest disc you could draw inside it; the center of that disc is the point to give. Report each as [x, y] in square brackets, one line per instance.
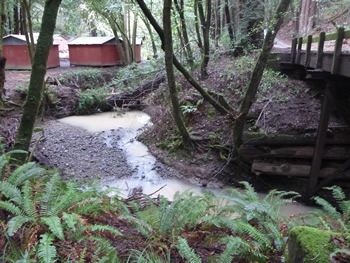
[334, 175]
[300, 45]
[337, 51]
[294, 152]
[320, 143]
[288, 169]
[294, 50]
[320, 50]
[308, 51]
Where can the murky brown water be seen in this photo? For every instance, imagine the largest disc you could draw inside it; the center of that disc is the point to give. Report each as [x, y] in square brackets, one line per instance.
[145, 176]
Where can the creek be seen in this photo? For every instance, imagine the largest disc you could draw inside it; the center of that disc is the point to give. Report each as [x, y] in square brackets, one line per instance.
[144, 177]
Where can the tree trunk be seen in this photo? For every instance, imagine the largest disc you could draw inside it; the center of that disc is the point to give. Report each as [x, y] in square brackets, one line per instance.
[180, 10]
[16, 20]
[134, 33]
[116, 36]
[2, 59]
[229, 22]
[307, 17]
[149, 29]
[35, 90]
[168, 48]
[222, 109]
[205, 22]
[258, 71]
[196, 24]
[217, 22]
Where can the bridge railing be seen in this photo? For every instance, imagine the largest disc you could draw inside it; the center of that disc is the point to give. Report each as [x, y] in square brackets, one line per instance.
[297, 43]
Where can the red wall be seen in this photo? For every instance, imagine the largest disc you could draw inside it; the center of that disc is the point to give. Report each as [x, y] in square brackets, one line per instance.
[138, 53]
[18, 58]
[94, 55]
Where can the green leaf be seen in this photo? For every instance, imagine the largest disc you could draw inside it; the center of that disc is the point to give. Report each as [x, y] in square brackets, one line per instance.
[106, 228]
[46, 252]
[54, 224]
[28, 203]
[187, 252]
[11, 192]
[15, 223]
[8, 206]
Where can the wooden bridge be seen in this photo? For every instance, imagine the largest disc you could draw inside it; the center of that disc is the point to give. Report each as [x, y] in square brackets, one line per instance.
[331, 68]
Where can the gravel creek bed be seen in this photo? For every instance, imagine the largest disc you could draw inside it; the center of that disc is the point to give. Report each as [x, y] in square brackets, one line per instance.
[83, 156]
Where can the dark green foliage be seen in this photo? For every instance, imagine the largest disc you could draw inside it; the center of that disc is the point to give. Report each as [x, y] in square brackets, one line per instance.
[332, 218]
[86, 79]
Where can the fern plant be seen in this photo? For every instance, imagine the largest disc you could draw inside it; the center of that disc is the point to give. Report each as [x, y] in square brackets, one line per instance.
[331, 218]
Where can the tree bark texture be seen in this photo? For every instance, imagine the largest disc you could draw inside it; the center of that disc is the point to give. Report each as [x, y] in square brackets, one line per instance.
[196, 24]
[180, 10]
[36, 84]
[307, 17]
[2, 59]
[168, 48]
[222, 109]
[228, 22]
[149, 29]
[258, 71]
[205, 22]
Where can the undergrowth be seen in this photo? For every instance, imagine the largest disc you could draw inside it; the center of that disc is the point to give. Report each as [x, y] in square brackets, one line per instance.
[43, 219]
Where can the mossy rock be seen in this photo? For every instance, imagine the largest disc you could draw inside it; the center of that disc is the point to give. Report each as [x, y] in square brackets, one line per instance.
[307, 244]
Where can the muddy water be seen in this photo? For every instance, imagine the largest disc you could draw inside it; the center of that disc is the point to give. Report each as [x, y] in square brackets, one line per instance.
[145, 177]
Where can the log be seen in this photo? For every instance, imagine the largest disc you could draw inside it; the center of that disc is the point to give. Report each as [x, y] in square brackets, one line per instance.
[135, 96]
[301, 152]
[289, 170]
[256, 138]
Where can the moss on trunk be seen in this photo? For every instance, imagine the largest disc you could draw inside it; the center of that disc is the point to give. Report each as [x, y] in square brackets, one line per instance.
[168, 48]
[32, 103]
[258, 71]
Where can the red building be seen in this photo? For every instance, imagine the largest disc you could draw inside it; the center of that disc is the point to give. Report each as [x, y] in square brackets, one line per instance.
[16, 52]
[97, 51]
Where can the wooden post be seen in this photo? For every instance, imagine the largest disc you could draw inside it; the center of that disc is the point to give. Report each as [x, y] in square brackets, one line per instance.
[294, 50]
[337, 51]
[320, 50]
[320, 143]
[308, 51]
[300, 44]
[324, 119]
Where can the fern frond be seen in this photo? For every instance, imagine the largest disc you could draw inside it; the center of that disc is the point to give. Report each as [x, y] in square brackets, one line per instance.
[8, 206]
[327, 207]
[28, 203]
[50, 194]
[106, 228]
[46, 252]
[232, 249]
[15, 223]
[20, 171]
[11, 192]
[141, 226]
[187, 252]
[54, 224]
[71, 220]
[337, 192]
[250, 191]
[247, 229]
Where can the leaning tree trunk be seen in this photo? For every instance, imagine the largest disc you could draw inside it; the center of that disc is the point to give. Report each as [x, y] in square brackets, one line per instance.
[257, 74]
[224, 109]
[36, 84]
[168, 48]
